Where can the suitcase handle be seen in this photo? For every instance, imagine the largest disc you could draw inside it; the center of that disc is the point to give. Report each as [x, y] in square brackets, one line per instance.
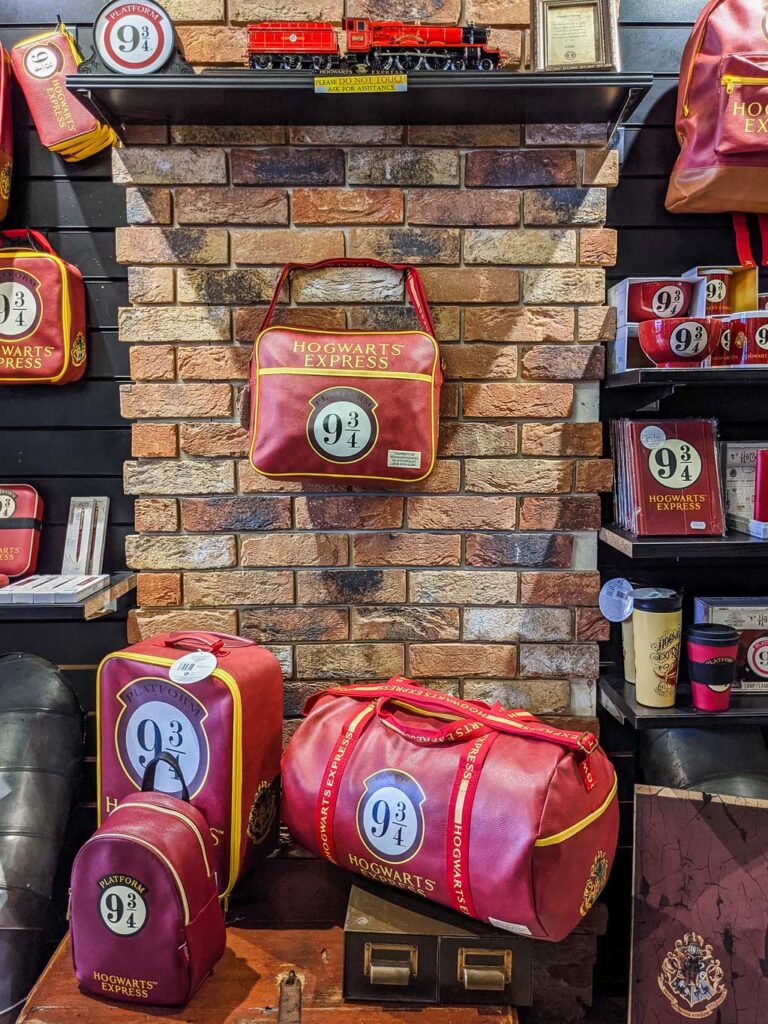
[413, 286]
[515, 723]
[203, 642]
[34, 239]
[148, 781]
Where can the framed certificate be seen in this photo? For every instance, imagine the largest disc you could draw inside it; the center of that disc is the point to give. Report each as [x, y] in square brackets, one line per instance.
[575, 35]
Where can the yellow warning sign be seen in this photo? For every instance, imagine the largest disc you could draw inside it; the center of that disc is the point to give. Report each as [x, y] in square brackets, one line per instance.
[361, 83]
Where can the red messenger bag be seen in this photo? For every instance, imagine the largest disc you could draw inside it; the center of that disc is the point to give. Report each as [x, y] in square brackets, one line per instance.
[488, 811]
[346, 405]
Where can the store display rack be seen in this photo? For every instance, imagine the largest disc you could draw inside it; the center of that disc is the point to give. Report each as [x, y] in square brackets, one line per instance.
[285, 97]
[617, 696]
[732, 546]
[117, 596]
[694, 376]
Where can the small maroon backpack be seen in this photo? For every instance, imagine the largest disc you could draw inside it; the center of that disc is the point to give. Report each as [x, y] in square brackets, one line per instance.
[146, 924]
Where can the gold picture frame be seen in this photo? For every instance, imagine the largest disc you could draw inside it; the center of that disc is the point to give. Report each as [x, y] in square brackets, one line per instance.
[575, 35]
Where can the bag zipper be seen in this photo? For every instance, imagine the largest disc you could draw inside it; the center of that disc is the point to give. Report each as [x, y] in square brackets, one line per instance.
[175, 814]
[730, 81]
[158, 853]
[704, 19]
[237, 756]
[66, 311]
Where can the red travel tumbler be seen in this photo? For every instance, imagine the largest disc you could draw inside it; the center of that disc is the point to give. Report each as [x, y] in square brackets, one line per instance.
[712, 649]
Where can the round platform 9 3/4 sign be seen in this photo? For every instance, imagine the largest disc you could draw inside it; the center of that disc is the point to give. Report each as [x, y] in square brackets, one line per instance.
[134, 38]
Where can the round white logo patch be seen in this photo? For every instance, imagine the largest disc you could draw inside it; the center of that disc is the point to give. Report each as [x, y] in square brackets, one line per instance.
[123, 908]
[675, 464]
[390, 818]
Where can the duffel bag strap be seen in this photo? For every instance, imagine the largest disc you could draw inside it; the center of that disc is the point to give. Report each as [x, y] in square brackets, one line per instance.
[414, 286]
[743, 242]
[148, 781]
[425, 700]
[11, 237]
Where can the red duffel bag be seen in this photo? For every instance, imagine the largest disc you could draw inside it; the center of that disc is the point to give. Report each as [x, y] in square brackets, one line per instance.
[488, 811]
[346, 405]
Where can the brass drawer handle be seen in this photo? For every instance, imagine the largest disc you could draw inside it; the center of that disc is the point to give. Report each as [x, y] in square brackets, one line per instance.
[484, 970]
[389, 963]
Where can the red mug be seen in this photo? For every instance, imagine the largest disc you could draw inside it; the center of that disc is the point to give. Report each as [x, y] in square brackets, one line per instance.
[724, 352]
[712, 649]
[681, 341]
[658, 298]
[749, 333]
[718, 291]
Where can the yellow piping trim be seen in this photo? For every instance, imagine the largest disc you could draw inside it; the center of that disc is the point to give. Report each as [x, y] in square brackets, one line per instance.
[378, 374]
[346, 476]
[161, 855]
[66, 312]
[237, 754]
[560, 837]
[175, 814]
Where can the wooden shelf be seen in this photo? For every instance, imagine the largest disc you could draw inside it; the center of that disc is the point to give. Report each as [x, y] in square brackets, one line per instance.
[617, 696]
[733, 545]
[653, 376]
[116, 597]
[288, 97]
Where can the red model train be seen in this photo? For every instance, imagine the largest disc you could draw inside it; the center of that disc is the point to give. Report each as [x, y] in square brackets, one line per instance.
[369, 45]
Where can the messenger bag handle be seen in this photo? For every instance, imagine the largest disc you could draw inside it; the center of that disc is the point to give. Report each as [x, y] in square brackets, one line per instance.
[148, 782]
[202, 642]
[491, 717]
[414, 286]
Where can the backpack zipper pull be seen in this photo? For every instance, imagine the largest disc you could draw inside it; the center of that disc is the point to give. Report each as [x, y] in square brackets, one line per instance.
[69, 904]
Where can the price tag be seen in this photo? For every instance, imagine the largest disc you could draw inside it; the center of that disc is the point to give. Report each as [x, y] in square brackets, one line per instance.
[615, 599]
[134, 38]
[360, 83]
[193, 667]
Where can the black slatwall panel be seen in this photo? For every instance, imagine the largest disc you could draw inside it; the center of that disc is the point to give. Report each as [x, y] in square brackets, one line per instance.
[69, 441]
[654, 242]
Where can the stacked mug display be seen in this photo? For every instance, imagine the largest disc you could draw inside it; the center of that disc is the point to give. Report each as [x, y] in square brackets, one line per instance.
[669, 336]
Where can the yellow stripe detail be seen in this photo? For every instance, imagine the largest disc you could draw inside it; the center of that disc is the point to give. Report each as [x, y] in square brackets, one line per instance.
[560, 837]
[175, 814]
[158, 853]
[377, 374]
[236, 795]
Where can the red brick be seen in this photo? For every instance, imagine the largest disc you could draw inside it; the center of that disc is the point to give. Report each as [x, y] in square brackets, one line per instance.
[356, 661]
[518, 400]
[464, 362]
[539, 476]
[213, 439]
[517, 168]
[557, 660]
[248, 319]
[213, 44]
[151, 284]
[562, 439]
[402, 166]
[601, 167]
[237, 587]
[520, 550]
[598, 247]
[287, 625]
[286, 245]
[472, 284]
[349, 513]
[559, 588]
[148, 205]
[144, 401]
[477, 439]
[597, 323]
[348, 206]
[219, 362]
[525, 323]
[462, 587]
[236, 512]
[391, 622]
[462, 660]
[563, 362]
[462, 512]
[231, 206]
[590, 625]
[158, 589]
[594, 475]
[351, 586]
[561, 284]
[153, 362]
[287, 166]
[566, 134]
[154, 440]
[143, 624]
[558, 513]
[410, 245]
[406, 549]
[345, 134]
[447, 206]
[171, 245]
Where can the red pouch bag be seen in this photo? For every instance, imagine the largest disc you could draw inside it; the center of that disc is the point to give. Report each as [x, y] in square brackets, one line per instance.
[213, 701]
[42, 312]
[6, 131]
[21, 518]
[488, 811]
[146, 924]
[347, 405]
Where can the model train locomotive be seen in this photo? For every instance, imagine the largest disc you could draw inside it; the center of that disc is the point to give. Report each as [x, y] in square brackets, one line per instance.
[377, 46]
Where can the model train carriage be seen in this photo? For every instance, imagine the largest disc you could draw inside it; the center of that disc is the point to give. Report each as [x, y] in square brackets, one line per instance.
[375, 45]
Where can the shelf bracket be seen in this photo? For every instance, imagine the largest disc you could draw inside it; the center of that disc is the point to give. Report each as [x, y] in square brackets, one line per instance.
[630, 103]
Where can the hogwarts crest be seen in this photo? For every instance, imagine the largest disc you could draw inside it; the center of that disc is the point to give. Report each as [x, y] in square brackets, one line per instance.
[692, 979]
[262, 814]
[78, 349]
[598, 876]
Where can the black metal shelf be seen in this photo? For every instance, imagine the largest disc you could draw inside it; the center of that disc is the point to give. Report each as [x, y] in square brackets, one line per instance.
[732, 546]
[285, 97]
[694, 376]
[117, 596]
[618, 697]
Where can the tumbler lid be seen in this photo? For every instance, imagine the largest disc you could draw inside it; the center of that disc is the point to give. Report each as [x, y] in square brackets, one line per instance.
[716, 634]
[657, 599]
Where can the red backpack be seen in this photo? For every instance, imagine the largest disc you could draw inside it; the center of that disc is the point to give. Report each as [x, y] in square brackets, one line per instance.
[722, 117]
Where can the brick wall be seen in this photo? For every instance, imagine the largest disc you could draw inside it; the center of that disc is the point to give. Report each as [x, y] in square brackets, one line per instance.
[482, 579]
